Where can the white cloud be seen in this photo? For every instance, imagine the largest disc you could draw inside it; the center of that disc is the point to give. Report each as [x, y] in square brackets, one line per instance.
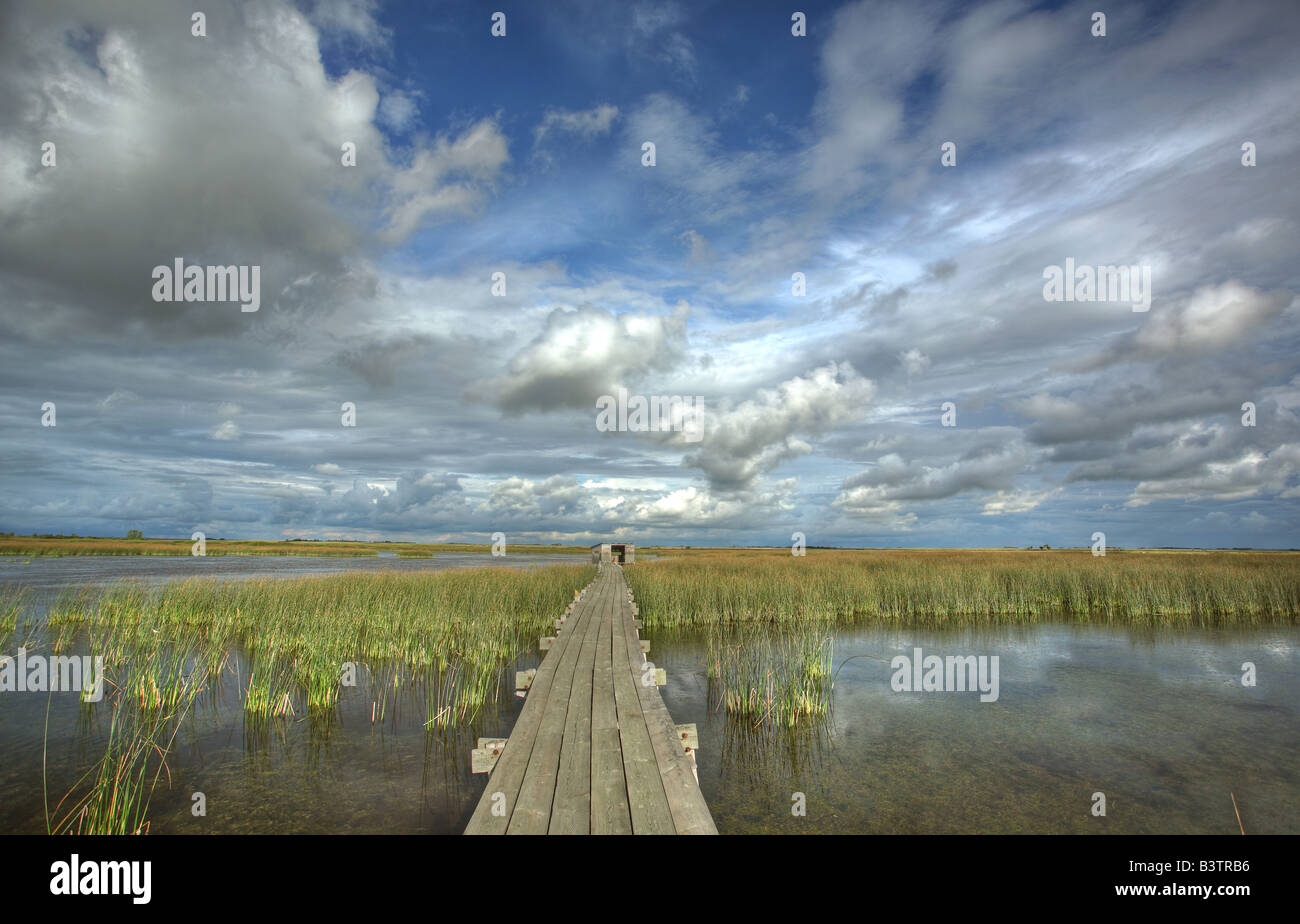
[743, 442]
[585, 123]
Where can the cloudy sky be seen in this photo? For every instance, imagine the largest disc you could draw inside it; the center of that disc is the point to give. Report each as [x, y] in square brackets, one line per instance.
[775, 155]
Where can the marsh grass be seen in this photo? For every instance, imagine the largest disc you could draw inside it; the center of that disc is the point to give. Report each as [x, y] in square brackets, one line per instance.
[149, 700]
[958, 587]
[768, 613]
[769, 678]
[12, 610]
[452, 632]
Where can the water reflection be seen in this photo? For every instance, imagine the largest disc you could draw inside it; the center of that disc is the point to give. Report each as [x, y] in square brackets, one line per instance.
[1157, 719]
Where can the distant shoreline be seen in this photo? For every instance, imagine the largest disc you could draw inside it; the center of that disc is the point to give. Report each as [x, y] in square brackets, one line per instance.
[62, 546]
[46, 546]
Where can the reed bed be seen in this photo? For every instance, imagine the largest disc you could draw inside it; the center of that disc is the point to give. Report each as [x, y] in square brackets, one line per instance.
[453, 631]
[770, 616]
[959, 587]
[11, 611]
[768, 678]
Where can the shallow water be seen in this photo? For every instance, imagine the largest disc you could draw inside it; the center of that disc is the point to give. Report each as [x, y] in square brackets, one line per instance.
[51, 572]
[1158, 721]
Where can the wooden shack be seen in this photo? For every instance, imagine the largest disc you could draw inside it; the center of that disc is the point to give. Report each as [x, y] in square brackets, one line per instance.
[624, 553]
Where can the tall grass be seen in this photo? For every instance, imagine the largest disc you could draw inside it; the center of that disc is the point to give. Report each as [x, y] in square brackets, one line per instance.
[771, 678]
[11, 611]
[959, 587]
[149, 698]
[770, 616]
[454, 631]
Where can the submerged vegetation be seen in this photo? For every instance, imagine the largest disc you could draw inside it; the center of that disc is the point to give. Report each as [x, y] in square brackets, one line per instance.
[770, 616]
[964, 587]
[303, 638]
[293, 645]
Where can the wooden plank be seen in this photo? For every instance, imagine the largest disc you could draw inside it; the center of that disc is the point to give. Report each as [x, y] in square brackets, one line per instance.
[594, 749]
[532, 814]
[571, 810]
[690, 813]
[610, 813]
[645, 790]
[508, 774]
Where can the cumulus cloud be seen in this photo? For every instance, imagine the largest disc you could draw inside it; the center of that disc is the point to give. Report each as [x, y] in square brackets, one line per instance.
[453, 177]
[1212, 317]
[1251, 474]
[743, 442]
[586, 352]
[882, 490]
[1017, 501]
[136, 152]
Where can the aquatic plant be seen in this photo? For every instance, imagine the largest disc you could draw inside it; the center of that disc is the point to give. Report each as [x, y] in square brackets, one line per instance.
[937, 587]
[771, 678]
[455, 632]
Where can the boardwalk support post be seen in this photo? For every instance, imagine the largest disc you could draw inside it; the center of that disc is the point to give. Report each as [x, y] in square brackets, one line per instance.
[484, 757]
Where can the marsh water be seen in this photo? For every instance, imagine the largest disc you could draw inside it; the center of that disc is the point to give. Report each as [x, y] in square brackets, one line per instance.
[1158, 721]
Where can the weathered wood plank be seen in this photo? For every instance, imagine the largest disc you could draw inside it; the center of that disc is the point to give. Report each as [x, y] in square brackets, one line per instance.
[532, 814]
[594, 749]
[508, 774]
[690, 812]
[645, 791]
[571, 811]
[609, 809]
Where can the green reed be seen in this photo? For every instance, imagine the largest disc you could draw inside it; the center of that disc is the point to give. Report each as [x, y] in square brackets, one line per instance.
[961, 587]
[455, 632]
[770, 615]
[767, 678]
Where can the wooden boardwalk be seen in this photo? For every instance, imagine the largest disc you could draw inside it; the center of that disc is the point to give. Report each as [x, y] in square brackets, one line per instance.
[594, 750]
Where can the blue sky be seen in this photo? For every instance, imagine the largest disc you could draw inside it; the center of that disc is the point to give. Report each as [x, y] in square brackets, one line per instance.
[775, 155]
